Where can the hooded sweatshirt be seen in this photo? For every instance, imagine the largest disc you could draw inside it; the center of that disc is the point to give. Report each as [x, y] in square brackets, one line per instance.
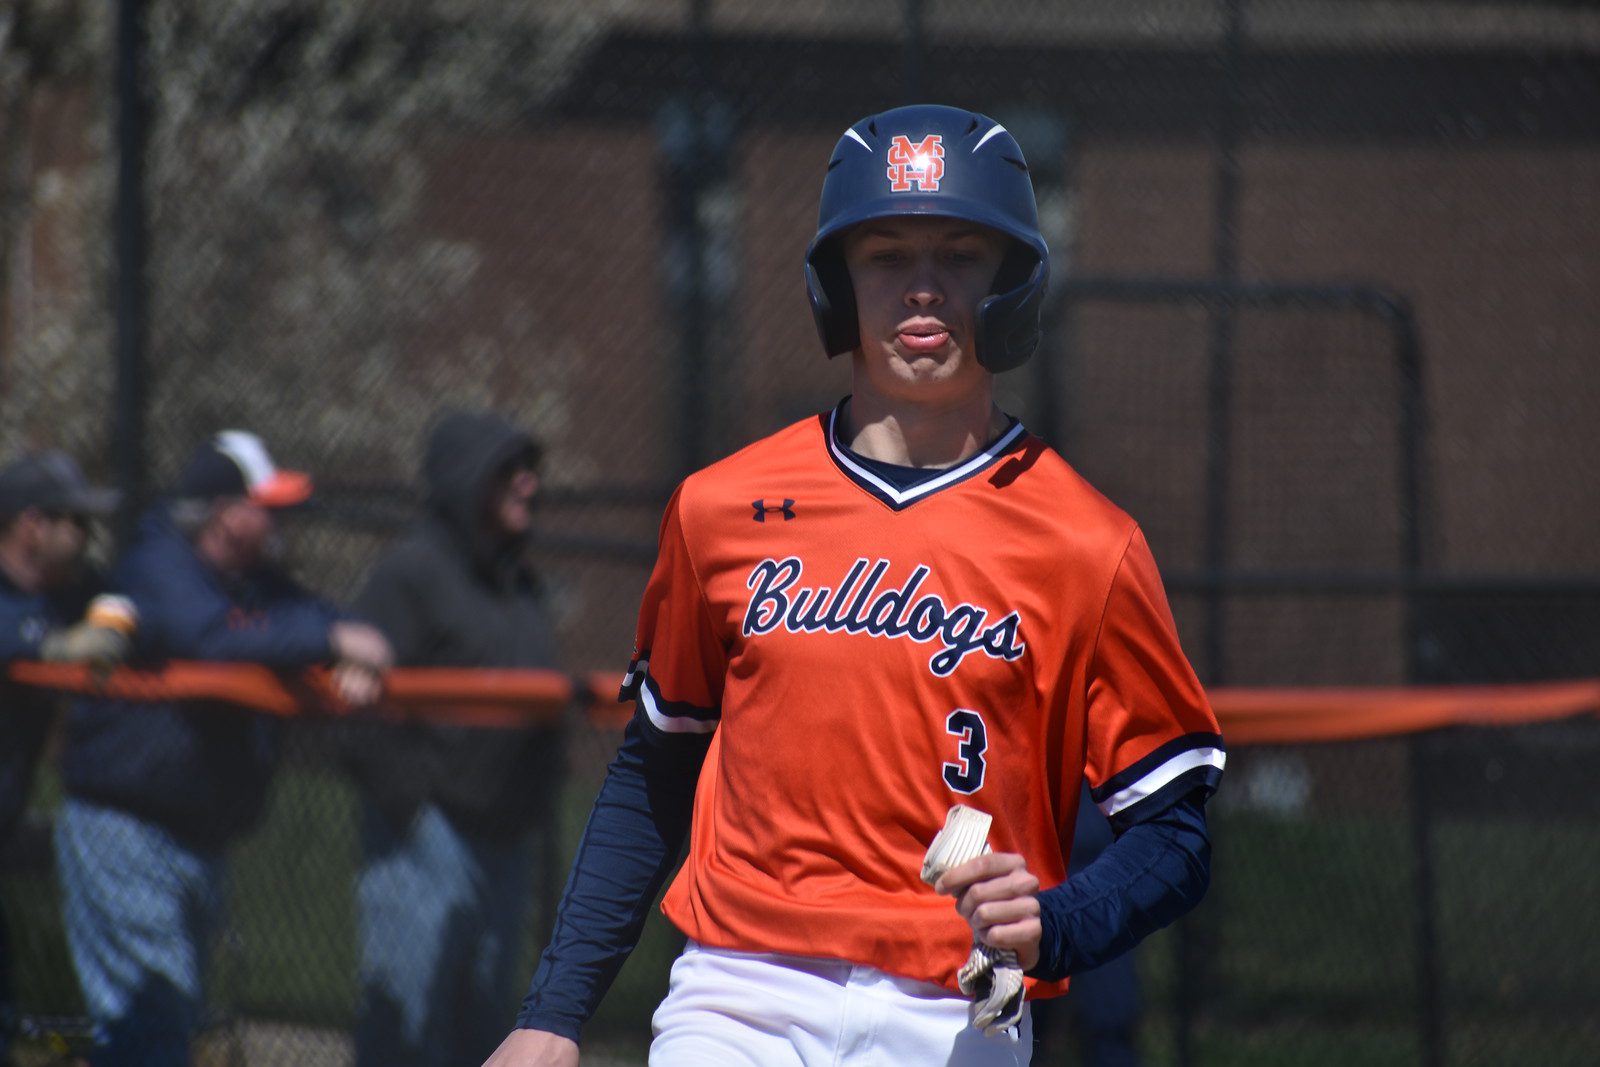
[452, 593]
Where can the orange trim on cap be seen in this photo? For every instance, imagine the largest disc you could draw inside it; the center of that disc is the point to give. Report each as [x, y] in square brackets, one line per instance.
[284, 489]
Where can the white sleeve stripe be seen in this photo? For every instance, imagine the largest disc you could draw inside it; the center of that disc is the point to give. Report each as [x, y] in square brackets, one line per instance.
[1152, 783]
[671, 724]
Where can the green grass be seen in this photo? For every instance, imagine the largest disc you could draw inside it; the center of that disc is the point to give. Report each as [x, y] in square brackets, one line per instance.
[292, 952]
[289, 951]
[1309, 951]
[1314, 912]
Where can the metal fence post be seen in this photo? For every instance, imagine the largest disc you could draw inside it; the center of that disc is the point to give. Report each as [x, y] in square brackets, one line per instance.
[913, 68]
[129, 294]
[1413, 433]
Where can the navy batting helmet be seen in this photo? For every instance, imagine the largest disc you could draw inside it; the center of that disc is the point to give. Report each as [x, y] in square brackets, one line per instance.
[933, 160]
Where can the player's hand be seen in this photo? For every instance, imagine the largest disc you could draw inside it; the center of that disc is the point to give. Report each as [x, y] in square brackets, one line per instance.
[360, 643]
[534, 1048]
[999, 898]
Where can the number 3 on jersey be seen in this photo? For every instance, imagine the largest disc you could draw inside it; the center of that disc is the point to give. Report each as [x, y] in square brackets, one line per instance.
[966, 775]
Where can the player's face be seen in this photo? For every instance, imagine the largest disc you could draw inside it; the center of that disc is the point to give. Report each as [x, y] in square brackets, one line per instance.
[918, 280]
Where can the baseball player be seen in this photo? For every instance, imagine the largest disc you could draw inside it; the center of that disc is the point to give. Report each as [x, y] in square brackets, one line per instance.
[902, 605]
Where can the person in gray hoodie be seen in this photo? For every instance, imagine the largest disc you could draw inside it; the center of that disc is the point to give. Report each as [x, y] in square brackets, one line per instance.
[448, 810]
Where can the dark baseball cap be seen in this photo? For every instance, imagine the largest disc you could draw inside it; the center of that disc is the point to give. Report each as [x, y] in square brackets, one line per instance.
[51, 481]
[236, 463]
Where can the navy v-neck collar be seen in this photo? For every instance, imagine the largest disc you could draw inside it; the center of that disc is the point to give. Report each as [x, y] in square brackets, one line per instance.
[859, 470]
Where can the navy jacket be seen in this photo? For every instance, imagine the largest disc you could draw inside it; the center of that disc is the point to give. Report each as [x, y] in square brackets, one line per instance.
[25, 713]
[199, 770]
[447, 595]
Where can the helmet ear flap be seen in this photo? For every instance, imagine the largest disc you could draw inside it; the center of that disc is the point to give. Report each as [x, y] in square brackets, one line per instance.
[833, 300]
[1008, 322]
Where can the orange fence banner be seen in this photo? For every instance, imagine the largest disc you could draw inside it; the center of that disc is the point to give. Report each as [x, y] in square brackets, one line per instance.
[527, 697]
[1335, 713]
[453, 695]
[247, 684]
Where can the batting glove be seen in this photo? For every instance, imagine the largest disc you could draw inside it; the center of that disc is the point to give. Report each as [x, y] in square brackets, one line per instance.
[992, 977]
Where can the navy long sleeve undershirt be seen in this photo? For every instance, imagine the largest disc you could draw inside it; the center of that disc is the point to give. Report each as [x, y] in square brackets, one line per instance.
[1149, 876]
[631, 844]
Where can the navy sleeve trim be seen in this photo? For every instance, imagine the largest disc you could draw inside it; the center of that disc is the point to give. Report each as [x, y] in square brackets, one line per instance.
[634, 678]
[1156, 782]
[662, 715]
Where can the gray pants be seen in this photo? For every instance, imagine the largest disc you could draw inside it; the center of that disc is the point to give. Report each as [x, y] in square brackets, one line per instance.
[441, 927]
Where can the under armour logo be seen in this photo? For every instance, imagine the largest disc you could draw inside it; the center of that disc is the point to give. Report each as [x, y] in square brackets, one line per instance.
[786, 509]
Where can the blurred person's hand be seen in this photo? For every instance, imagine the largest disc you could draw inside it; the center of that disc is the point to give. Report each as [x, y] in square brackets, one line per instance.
[361, 644]
[101, 647]
[534, 1048]
[358, 685]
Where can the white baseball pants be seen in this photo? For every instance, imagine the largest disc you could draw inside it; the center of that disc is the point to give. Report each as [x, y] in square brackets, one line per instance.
[764, 1010]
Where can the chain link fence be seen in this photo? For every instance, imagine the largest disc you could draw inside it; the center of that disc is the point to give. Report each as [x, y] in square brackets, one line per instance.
[1324, 321]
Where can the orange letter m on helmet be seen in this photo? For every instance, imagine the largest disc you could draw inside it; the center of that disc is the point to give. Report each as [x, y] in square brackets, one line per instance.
[921, 163]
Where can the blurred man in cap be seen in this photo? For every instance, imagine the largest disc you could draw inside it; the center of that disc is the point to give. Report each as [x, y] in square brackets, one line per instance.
[46, 506]
[156, 791]
[45, 509]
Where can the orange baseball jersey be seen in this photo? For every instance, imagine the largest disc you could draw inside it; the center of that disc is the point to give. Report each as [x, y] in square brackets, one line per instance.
[866, 657]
